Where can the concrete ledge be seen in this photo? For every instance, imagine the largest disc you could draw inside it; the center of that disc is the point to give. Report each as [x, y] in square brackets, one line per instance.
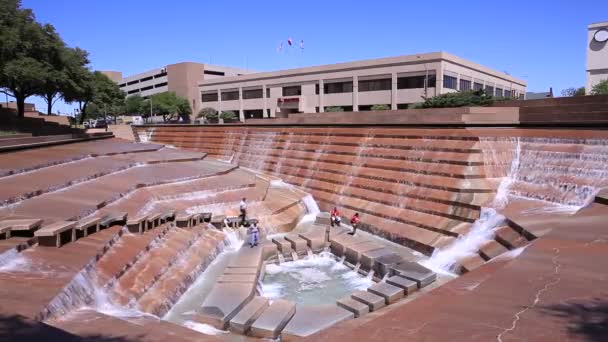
[50, 235]
[353, 252]
[22, 224]
[84, 225]
[357, 308]
[297, 243]
[224, 302]
[373, 301]
[238, 278]
[491, 249]
[283, 245]
[409, 286]
[272, 321]
[368, 259]
[389, 292]
[137, 224]
[339, 243]
[314, 240]
[323, 219]
[310, 319]
[241, 323]
[415, 272]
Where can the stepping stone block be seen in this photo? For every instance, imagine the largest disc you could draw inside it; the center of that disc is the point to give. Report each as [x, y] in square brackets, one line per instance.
[314, 240]
[153, 220]
[22, 224]
[389, 292]
[6, 230]
[510, 238]
[272, 321]
[50, 235]
[137, 224]
[322, 219]
[339, 243]
[383, 264]
[238, 278]
[241, 323]
[224, 302]
[206, 217]
[84, 225]
[491, 249]
[467, 264]
[167, 215]
[353, 252]
[297, 243]
[218, 221]
[368, 259]
[113, 218]
[409, 286]
[310, 319]
[184, 220]
[283, 245]
[357, 308]
[373, 301]
[415, 272]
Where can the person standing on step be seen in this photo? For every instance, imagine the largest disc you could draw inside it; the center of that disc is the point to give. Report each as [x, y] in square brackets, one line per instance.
[253, 234]
[334, 218]
[243, 209]
[354, 221]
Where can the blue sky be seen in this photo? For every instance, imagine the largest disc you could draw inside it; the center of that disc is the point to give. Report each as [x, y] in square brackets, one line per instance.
[542, 42]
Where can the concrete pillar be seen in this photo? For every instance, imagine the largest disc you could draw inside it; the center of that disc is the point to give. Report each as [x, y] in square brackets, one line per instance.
[321, 94]
[394, 91]
[355, 93]
[265, 107]
[439, 79]
[241, 114]
[219, 101]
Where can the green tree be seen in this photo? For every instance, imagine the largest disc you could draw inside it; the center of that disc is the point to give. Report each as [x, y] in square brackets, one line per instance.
[207, 113]
[458, 99]
[228, 115]
[380, 107]
[334, 109]
[600, 88]
[134, 105]
[168, 104]
[25, 46]
[574, 91]
[93, 88]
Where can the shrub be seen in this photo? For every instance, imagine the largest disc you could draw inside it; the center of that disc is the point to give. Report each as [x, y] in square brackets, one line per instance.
[207, 113]
[458, 99]
[574, 91]
[380, 107]
[228, 115]
[334, 109]
[600, 88]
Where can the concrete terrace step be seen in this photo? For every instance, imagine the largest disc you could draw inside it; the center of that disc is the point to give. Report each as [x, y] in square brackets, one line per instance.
[272, 321]
[241, 323]
[509, 238]
[35, 142]
[311, 319]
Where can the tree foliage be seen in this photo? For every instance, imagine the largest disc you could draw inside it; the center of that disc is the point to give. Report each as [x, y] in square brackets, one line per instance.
[169, 105]
[574, 91]
[334, 109]
[207, 113]
[228, 115]
[134, 105]
[95, 88]
[601, 88]
[458, 99]
[380, 107]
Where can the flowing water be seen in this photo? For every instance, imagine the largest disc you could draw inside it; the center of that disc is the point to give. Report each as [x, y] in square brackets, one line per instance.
[313, 280]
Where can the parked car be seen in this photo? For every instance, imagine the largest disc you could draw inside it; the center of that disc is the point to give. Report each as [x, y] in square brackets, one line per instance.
[100, 123]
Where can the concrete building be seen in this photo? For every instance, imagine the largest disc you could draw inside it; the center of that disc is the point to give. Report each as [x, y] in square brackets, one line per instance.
[597, 54]
[355, 86]
[181, 78]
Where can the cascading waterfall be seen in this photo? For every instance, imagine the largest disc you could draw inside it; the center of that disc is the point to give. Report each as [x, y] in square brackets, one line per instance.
[565, 181]
[145, 136]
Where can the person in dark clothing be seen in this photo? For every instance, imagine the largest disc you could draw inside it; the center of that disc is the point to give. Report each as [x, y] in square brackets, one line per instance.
[243, 209]
[354, 221]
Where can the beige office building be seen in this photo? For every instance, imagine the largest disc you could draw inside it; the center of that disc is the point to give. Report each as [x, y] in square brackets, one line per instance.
[355, 86]
[181, 78]
[597, 54]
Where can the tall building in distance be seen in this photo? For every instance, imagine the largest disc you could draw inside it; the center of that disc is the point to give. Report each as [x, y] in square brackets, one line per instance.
[597, 54]
[182, 78]
[395, 82]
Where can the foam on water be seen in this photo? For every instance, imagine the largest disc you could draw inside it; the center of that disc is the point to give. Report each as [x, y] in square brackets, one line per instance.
[203, 328]
[12, 261]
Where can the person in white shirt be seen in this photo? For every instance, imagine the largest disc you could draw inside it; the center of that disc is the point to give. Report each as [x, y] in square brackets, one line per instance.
[243, 209]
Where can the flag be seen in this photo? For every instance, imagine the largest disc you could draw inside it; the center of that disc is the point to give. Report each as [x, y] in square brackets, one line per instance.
[302, 44]
[290, 41]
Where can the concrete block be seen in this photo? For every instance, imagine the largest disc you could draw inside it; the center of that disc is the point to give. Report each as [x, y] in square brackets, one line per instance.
[368, 259]
[467, 264]
[22, 224]
[310, 319]
[283, 245]
[416, 272]
[409, 286]
[357, 308]
[224, 302]
[389, 292]
[339, 243]
[238, 278]
[491, 249]
[353, 252]
[241, 323]
[323, 219]
[509, 237]
[297, 243]
[373, 301]
[383, 264]
[315, 240]
[218, 221]
[272, 321]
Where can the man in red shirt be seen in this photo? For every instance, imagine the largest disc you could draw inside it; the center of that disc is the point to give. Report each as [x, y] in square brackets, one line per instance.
[354, 221]
[335, 217]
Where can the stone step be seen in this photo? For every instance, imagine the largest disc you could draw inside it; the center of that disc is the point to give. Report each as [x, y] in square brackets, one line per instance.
[241, 323]
[509, 238]
[283, 245]
[310, 319]
[373, 301]
[357, 308]
[354, 252]
[315, 240]
[409, 286]
[469, 263]
[224, 302]
[389, 292]
[298, 244]
[415, 272]
[272, 321]
[491, 249]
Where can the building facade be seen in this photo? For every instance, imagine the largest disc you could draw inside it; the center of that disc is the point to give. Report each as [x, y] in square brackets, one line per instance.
[597, 54]
[395, 82]
[181, 78]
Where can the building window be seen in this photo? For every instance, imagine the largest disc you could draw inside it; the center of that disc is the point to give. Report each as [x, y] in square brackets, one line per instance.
[317, 89]
[316, 109]
[375, 85]
[146, 88]
[449, 82]
[216, 73]
[230, 95]
[164, 73]
[122, 85]
[498, 92]
[489, 90]
[160, 85]
[267, 113]
[133, 91]
[132, 82]
[146, 79]
[292, 91]
[209, 97]
[414, 82]
[267, 93]
[507, 93]
[465, 85]
[253, 94]
[338, 87]
[253, 113]
[477, 86]
[403, 105]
